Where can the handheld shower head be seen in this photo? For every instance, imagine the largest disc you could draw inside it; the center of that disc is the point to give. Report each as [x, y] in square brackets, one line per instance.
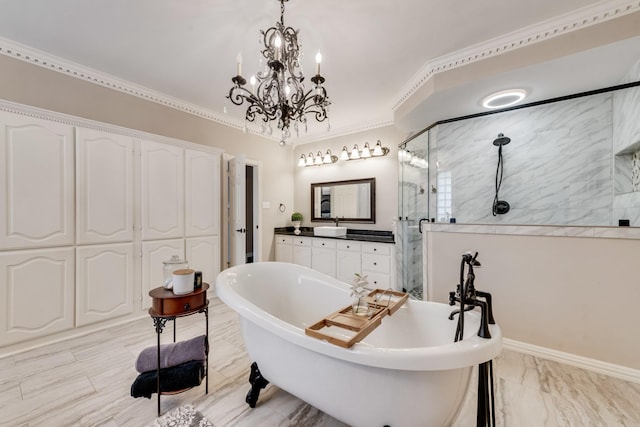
[501, 140]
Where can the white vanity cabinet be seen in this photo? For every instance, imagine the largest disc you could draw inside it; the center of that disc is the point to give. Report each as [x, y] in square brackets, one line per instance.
[302, 251]
[323, 256]
[339, 258]
[377, 264]
[349, 260]
[284, 248]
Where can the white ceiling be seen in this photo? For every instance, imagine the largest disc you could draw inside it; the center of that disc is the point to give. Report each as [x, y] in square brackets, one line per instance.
[373, 50]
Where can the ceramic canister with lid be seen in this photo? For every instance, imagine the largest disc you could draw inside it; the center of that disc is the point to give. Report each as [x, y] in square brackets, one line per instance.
[183, 281]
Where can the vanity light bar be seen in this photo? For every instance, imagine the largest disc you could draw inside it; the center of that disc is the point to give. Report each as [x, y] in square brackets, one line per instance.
[317, 160]
[365, 153]
[355, 154]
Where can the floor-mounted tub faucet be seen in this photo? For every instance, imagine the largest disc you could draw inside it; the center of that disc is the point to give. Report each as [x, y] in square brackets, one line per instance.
[467, 295]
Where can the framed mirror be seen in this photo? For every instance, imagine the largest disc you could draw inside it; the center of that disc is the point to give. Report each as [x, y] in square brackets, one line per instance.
[350, 201]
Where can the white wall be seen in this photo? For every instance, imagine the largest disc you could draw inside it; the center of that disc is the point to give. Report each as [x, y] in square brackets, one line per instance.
[384, 169]
[573, 294]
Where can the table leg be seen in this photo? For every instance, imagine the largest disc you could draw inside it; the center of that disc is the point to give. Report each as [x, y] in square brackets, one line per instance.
[159, 325]
[206, 372]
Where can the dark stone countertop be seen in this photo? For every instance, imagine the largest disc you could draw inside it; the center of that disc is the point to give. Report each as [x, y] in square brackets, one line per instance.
[377, 236]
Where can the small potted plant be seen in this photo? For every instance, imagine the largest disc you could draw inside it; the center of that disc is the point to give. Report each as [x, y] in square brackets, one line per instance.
[296, 219]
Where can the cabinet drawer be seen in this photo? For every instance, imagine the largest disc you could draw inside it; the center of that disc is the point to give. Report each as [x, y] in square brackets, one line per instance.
[286, 240]
[376, 263]
[302, 241]
[324, 243]
[349, 246]
[379, 281]
[376, 248]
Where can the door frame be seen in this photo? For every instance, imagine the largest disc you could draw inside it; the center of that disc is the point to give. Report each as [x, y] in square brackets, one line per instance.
[257, 212]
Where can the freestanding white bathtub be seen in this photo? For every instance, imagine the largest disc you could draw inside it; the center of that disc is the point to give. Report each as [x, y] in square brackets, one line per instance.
[408, 372]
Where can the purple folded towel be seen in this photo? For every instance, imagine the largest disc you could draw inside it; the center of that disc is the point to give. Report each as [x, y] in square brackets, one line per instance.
[172, 354]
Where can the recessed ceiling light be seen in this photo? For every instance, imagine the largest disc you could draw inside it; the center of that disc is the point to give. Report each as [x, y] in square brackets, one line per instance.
[504, 98]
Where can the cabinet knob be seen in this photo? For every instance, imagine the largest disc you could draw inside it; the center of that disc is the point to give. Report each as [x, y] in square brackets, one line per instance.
[375, 249]
[323, 244]
[348, 246]
[375, 263]
[187, 306]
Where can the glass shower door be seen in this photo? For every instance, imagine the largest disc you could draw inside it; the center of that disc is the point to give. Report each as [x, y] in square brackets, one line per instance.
[413, 205]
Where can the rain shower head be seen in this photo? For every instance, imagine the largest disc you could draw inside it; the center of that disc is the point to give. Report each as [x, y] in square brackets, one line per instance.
[501, 140]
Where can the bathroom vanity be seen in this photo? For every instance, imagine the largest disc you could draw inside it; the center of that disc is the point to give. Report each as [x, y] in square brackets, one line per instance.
[366, 252]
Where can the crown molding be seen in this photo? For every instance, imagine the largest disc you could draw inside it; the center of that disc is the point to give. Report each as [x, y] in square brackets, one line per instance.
[591, 15]
[601, 12]
[42, 59]
[54, 116]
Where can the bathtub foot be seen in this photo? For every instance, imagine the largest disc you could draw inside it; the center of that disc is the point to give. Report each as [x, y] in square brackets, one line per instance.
[258, 382]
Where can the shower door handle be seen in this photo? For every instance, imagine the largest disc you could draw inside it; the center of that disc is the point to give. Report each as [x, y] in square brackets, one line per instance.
[420, 224]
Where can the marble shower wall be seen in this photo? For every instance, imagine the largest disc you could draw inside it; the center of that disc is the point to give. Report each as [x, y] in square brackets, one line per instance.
[626, 147]
[574, 162]
[557, 167]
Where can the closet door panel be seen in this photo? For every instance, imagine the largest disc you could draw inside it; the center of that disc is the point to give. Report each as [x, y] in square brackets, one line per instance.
[202, 193]
[104, 282]
[37, 295]
[36, 182]
[104, 204]
[153, 255]
[203, 254]
[162, 191]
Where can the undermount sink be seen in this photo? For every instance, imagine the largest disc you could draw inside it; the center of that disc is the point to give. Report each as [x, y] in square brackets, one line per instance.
[330, 231]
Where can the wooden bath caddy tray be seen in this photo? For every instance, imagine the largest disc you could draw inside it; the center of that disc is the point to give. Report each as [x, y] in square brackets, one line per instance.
[381, 303]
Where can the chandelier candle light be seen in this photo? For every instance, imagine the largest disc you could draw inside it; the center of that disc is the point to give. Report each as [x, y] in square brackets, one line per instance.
[280, 94]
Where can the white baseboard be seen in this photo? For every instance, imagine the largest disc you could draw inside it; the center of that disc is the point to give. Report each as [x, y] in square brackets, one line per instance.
[606, 368]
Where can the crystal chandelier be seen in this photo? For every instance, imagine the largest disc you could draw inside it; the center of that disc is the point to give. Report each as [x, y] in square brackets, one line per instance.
[277, 92]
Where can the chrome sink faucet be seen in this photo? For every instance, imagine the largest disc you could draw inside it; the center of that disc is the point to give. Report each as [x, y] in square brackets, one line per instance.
[337, 220]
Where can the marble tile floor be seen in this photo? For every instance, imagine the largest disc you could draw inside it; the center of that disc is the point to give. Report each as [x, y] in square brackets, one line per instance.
[86, 382]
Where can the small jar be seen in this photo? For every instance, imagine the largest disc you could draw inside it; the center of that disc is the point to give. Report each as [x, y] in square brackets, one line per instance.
[168, 267]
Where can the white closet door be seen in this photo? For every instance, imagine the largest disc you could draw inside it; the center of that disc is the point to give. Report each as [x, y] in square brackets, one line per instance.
[104, 282]
[36, 182]
[104, 207]
[202, 193]
[162, 191]
[203, 254]
[37, 295]
[153, 255]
